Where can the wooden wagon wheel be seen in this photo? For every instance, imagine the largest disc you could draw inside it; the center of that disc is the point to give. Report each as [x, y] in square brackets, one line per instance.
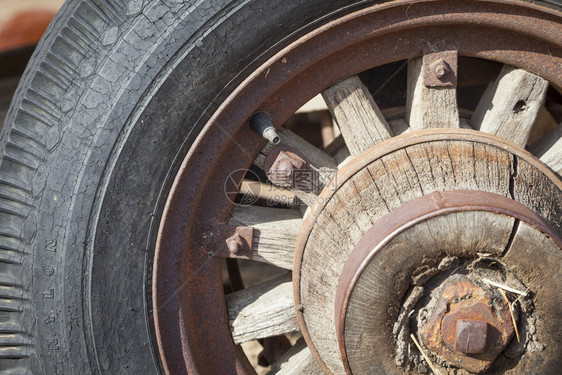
[349, 287]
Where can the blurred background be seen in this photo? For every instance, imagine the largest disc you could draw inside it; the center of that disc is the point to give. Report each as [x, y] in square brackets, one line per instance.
[22, 22]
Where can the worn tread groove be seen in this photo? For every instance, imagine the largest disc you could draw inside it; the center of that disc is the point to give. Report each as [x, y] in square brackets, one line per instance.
[110, 13]
[11, 212]
[28, 137]
[15, 259]
[58, 66]
[94, 6]
[43, 102]
[19, 161]
[75, 40]
[22, 150]
[14, 185]
[14, 249]
[33, 105]
[35, 117]
[10, 235]
[48, 76]
[71, 46]
[55, 76]
[83, 28]
[13, 293]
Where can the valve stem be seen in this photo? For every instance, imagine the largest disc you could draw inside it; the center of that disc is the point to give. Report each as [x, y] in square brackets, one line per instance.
[261, 123]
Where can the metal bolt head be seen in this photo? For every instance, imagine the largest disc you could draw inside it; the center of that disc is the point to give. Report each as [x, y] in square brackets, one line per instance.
[283, 168]
[471, 346]
[234, 243]
[440, 68]
[471, 336]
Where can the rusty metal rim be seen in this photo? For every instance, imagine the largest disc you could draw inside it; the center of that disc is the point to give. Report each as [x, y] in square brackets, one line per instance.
[415, 212]
[191, 322]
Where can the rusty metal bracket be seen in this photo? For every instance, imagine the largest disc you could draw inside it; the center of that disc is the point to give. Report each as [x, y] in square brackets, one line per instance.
[231, 241]
[282, 164]
[440, 69]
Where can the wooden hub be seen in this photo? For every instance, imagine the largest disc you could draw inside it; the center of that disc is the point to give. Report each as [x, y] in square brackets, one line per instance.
[390, 226]
[437, 254]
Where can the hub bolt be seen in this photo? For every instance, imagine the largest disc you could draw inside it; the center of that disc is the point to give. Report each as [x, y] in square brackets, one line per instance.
[471, 336]
[234, 243]
[282, 171]
[440, 68]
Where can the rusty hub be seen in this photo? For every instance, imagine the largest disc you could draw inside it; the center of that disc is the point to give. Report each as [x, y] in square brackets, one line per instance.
[470, 324]
[468, 328]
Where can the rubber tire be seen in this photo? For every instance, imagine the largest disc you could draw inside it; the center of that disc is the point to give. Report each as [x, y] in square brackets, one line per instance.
[109, 105]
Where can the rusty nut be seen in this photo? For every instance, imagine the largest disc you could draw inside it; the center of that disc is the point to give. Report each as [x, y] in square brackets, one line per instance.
[234, 244]
[439, 68]
[282, 169]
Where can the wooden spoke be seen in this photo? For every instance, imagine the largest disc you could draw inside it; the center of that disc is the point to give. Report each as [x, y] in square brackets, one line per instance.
[549, 149]
[357, 115]
[297, 361]
[429, 107]
[543, 125]
[275, 232]
[399, 126]
[510, 106]
[262, 311]
[338, 149]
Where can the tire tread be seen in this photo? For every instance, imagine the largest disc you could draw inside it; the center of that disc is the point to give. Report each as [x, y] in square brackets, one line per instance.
[31, 133]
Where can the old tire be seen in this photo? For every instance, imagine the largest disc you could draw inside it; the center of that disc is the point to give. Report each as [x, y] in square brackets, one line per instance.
[110, 104]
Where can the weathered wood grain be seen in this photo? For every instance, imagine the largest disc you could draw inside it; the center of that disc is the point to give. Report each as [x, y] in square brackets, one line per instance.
[297, 361]
[385, 184]
[537, 262]
[510, 106]
[275, 232]
[544, 124]
[262, 311]
[357, 115]
[549, 149]
[385, 280]
[534, 189]
[429, 107]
